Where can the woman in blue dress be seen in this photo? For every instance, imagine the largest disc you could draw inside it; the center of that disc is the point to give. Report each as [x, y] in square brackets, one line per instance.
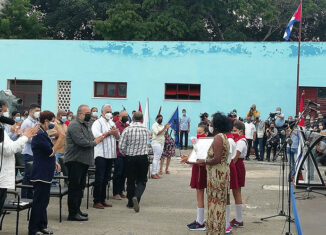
[44, 164]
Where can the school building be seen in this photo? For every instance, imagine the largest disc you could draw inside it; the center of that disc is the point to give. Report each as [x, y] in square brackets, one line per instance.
[197, 76]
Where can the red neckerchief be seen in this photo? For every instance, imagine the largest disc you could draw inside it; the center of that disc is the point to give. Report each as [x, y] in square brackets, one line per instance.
[239, 138]
[200, 136]
[230, 136]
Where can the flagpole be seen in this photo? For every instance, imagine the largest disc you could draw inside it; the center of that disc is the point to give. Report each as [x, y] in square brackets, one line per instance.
[298, 65]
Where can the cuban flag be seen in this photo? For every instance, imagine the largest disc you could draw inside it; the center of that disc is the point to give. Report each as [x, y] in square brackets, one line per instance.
[295, 18]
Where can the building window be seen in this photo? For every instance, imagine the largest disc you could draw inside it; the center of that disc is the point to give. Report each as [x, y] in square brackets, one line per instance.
[63, 95]
[321, 92]
[175, 91]
[110, 89]
[30, 91]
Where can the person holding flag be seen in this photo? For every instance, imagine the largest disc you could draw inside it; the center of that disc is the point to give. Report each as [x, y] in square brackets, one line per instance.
[158, 139]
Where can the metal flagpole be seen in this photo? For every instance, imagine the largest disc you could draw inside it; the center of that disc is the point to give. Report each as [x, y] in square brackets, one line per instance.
[298, 65]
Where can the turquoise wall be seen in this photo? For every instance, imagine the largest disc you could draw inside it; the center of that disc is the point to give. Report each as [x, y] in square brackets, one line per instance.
[231, 74]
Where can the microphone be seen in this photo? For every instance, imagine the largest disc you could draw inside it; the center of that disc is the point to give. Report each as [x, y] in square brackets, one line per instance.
[314, 103]
[7, 120]
[315, 110]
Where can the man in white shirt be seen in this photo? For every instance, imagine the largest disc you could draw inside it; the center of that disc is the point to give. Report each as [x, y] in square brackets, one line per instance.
[250, 134]
[104, 154]
[260, 130]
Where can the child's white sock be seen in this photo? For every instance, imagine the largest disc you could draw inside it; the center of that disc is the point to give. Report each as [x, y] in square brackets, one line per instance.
[227, 215]
[238, 208]
[200, 215]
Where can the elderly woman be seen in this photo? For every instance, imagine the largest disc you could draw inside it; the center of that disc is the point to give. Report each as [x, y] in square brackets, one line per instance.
[217, 174]
[44, 164]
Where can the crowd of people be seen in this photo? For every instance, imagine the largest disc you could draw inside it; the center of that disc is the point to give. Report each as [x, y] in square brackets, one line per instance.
[109, 140]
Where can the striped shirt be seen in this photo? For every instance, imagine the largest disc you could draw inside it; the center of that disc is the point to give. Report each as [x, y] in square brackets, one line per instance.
[107, 148]
[133, 141]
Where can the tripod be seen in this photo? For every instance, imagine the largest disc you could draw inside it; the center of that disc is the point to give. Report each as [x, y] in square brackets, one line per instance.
[310, 158]
[282, 211]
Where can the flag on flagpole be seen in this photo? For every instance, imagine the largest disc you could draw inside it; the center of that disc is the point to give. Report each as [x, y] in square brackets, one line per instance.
[295, 18]
[139, 108]
[159, 111]
[174, 122]
[146, 114]
[301, 122]
[128, 114]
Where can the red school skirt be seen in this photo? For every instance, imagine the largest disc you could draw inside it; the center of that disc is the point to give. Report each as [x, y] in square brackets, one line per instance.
[241, 172]
[198, 177]
[234, 183]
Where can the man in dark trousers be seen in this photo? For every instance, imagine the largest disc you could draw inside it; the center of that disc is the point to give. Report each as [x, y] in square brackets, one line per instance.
[133, 144]
[79, 155]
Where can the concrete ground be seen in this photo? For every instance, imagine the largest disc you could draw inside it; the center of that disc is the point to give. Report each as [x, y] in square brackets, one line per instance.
[168, 205]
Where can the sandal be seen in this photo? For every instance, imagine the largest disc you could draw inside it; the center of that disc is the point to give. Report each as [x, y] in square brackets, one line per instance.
[161, 172]
[167, 172]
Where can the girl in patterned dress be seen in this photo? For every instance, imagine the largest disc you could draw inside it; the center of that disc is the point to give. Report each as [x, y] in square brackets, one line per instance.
[168, 152]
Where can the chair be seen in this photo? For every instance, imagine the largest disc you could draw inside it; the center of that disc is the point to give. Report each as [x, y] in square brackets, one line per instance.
[16, 204]
[58, 190]
[90, 182]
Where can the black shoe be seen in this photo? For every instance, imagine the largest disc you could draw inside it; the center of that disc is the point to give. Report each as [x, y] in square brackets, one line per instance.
[83, 214]
[260, 160]
[130, 206]
[46, 231]
[136, 204]
[77, 217]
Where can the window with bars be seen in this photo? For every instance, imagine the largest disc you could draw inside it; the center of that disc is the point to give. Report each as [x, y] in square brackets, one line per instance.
[174, 91]
[110, 89]
[63, 95]
[321, 92]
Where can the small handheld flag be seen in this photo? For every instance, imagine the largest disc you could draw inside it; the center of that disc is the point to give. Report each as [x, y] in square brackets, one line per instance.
[174, 122]
[295, 18]
[139, 108]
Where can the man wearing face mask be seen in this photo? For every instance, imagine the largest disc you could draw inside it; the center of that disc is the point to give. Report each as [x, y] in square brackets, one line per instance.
[184, 127]
[7, 166]
[158, 140]
[79, 155]
[104, 153]
[31, 121]
[120, 163]
[250, 133]
[279, 122]
[12, 130]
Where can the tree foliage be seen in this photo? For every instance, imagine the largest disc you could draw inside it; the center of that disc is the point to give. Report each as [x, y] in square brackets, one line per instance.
[19, 21]
[188, 20]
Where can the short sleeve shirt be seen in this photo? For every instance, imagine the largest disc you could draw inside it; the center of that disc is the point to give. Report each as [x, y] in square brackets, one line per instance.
[184, 120]
[233, 148]
[242, 147]
[250, 130]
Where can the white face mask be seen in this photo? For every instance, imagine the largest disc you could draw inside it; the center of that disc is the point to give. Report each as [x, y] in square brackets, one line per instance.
[321, 127]
[94, 114]
[108, 116]
[37, 115]
[64, 118]
[211, 129]
[6, 114]
[278, 111]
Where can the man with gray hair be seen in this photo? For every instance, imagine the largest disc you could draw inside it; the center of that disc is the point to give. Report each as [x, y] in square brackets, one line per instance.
[104, 154]
[133, 144]
[79, 155]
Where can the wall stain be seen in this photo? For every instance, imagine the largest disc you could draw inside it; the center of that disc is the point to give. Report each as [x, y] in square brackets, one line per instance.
[179, 49]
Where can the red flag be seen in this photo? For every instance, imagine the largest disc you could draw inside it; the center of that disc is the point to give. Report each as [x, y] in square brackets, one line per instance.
[301, 122]
[159, 111]
[139, 108]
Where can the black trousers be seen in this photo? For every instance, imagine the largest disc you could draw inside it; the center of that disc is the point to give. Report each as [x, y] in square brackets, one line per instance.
[27, 192]
[185, 133]
[137, 169]
[271, 146]
[3, 195]
[103, 169]
[119, 175]
[249, 141]
[41, 198]
[77, 182]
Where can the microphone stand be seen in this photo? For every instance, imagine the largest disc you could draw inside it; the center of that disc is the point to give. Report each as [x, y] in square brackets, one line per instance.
[283, 147]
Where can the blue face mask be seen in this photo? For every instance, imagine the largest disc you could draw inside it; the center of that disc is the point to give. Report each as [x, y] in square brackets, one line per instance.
[63, 119]
[17, 119]
[51, 126]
